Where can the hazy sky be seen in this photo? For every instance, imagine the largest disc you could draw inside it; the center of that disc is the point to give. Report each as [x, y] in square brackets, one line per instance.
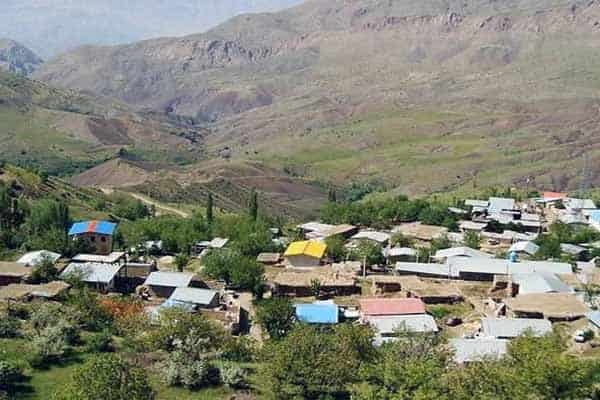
[52, 26]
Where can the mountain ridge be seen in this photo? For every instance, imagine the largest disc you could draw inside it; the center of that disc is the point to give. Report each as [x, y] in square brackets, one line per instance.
[14, 57]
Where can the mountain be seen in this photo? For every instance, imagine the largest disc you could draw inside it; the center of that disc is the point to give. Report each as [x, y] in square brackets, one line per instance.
[17, 58]
[51, 27]
[65, 132]
[422, 95]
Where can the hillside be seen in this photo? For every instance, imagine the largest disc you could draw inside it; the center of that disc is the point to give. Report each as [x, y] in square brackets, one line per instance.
[17, 58]
[51, 27]
[63, 131]
[424, 95]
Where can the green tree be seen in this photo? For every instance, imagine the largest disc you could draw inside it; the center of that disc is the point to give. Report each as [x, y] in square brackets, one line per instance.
[332, 196]
[209, 209]
[235, 269]
[276, 316]
[335, 248]
[181, 261]
[472, 240]
[253, 205]
[44, 272]
[107, 377]
[398, 239]
[311, 363]
[368, 251]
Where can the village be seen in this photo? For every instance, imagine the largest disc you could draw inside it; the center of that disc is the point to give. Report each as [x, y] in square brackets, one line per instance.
[482, 285]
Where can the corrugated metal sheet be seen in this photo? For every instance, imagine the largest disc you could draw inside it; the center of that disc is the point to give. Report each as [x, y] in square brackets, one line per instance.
[540, 283]
[190, 295]
[100, 227]
[419, 323]
[318, 313]
[469, 350]
[507, 328]
[36, 257]
[92, 272]
[310, 248]
[169, 279]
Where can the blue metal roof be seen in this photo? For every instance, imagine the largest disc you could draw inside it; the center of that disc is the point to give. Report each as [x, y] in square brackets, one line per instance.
[100, 227]
[595, 215]
[318, 313]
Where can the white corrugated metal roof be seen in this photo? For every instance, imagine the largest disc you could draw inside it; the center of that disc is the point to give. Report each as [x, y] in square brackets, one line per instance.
[572, 249]
[401, 251]
[92, 272]
[423, 268]
[460, 252]
[499, 204]
[500, 267]
[34, 258]
[418, 323]
[194, 295]
[507, 328]
[169, 279]
[477, 203]
[540, 283]
[525, 247]
[379, 237]
[96, 258]
[469, 350]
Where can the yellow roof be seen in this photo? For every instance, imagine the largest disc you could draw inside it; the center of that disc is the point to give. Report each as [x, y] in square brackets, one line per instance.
[309, 248]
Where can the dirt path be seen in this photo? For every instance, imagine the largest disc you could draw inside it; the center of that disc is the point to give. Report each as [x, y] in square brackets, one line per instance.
[159, 206]
[150, 202]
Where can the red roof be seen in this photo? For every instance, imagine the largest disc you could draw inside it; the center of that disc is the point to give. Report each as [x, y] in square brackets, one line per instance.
[554, 195]
[397, 306]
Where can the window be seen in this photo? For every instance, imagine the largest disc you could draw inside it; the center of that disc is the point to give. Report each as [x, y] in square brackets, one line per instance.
[103, 239]
[92, 238]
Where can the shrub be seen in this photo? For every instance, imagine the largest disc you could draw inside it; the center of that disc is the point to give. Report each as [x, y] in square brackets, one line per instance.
[240, 349]
[100, 342]
[9, 326]
[233, 376]
[48, 346]
[10, 374]
[190, 364]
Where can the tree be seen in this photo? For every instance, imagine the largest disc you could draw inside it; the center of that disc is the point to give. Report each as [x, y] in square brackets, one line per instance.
[209, 209]
[10, 374]
[335, 248]
[235, 269]
[311, 363]
[398, 239]
[181, 261]
[440, 243]
[332, 196]
[315, 287]
[472, 240]
[108, 377]
[277, 316]
[368, 251]
[44, 272]
[253, 205]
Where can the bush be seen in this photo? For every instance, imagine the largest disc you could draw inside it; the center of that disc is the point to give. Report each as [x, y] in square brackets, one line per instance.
[47, 346]
[234, 376]
[9, 326]
[240, 349]
[100, 342]
[10, 374]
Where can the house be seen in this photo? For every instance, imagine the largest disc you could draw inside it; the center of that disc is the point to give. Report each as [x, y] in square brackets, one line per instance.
[539, 283]
[474, 350]
[421, 232]
[34, 258]
[388, 316]
[510, 328]
[20, 292]
[216, 243]
[396, 254]
[524, 248]
[472, 226]
[500, 205]
[196, 297]
[101, 277]
[302, 284]
[116, 257]
[380, 238]
[320, 312]
[11, 272]
[163, 284]
[431, 291]
[423, 269]
[97, 234]
[485, 269]
[574, 250]
[317, 230]
[269, 258]
[445, 254]
[305, 254]
[552, 306]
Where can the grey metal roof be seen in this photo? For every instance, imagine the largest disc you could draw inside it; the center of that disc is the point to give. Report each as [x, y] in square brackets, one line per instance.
[401, 251]
[594, 318]
[540, 283]
[169, 279]
[498, 204]
[477, 203]
[418, 323]
[379, 237]
[460, 252]
[507, 328]
[502, 267]
[423, 268]
[469, 350]
[194, 295]
[572, 249]
[580, 204]
[525, 247]
[92, 272]
[34, 258]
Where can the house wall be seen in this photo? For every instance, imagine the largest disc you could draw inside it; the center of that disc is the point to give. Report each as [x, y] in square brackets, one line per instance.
[102, 244]
[302, 261]
[162, 291]
[6, 280]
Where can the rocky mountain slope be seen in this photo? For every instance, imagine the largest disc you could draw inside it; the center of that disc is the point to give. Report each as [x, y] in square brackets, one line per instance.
[63, 131]
[54, 26]
[17, 58]
[424, 95]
